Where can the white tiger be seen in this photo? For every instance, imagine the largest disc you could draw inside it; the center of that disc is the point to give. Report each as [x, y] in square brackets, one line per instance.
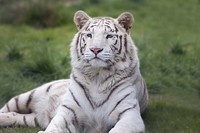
[105, 93]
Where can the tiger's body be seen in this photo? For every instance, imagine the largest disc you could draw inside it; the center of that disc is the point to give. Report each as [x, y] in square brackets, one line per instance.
[105, 93]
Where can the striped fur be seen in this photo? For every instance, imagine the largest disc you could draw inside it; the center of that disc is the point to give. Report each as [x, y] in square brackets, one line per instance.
[105, 93]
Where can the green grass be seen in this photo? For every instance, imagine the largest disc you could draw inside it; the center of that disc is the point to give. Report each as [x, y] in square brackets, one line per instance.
[166, 34]
[19, 130]
[43, 56]
[163, 117]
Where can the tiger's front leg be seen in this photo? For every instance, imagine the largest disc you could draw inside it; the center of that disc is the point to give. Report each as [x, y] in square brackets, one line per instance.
[129, 121]
[65, 121]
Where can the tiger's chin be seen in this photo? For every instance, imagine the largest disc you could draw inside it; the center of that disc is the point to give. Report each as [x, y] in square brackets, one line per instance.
[97, 63]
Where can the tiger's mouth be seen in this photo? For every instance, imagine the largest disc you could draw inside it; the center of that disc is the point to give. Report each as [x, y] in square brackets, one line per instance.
[97, 58]
[102, 59]
[97, 62]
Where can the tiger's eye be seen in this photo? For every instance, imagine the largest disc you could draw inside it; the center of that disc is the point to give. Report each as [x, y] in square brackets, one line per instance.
[109, 36]
[89, 35]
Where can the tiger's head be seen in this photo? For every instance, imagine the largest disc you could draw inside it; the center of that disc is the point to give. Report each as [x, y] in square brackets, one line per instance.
[103, 42]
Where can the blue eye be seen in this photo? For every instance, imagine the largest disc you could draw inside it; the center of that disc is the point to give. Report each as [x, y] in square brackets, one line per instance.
[109, 36]
[89, 35]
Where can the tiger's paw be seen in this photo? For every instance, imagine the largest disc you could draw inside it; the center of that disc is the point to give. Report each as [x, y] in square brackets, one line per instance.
[123, 131]
[117, 131]
[41, 132]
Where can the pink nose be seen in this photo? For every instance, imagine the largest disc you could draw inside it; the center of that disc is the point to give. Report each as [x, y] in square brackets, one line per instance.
[96, 50]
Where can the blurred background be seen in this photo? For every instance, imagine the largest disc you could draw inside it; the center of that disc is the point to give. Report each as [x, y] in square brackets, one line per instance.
[34, 49]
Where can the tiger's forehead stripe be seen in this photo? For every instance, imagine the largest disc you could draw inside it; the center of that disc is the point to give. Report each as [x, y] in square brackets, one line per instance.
[107, 24]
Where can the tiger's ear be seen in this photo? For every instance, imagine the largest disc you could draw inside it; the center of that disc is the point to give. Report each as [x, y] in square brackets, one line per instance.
[126, 21]
[80, 19]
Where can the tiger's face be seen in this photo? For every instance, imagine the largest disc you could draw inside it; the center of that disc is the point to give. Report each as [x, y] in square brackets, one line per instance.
[102, 42]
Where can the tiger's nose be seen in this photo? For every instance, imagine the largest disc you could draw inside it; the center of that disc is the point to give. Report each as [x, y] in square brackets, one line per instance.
[96, 50]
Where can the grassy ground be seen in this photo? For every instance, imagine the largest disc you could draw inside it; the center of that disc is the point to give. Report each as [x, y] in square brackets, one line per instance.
[166, 34]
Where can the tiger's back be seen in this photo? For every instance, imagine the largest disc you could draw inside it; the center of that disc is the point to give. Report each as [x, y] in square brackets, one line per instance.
[105, 92]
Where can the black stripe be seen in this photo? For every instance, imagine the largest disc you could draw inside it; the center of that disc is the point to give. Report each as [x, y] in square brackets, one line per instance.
[30, 99]
[24, 119]
[106, 79]
[115, 42]
[120, 114]
[67, 125]
[73, 111]
[116, 29]
[36, 122]
[124, 77]
[111, 92]
[110, 63]
[84, 40]
[121, 80]
[17, 103]
[8, 108]
[82, 48]
[85, 90]
[74, 98]
[108, 26]
[107, 22]
[120, 49]
[88, 28]
[124, 58]
[113, 48]
[99, 22]
[116, 85]
[119, 102]
[49, 88]
[127, 76]
[125, 43]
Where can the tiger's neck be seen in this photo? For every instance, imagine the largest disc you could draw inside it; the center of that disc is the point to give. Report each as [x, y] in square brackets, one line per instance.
[103, 79]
